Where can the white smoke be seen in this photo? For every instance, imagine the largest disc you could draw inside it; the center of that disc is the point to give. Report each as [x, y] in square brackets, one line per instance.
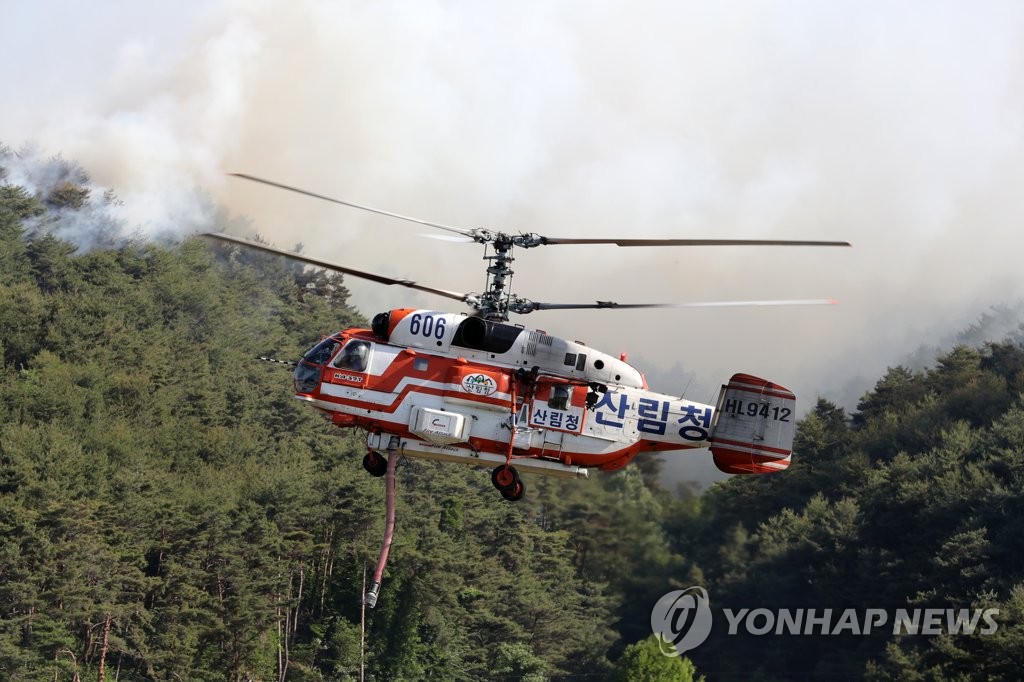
[898, 127]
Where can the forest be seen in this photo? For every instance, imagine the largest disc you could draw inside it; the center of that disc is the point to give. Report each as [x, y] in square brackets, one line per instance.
[170, 512]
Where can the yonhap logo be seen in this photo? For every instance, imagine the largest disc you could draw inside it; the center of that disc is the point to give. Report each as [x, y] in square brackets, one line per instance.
[682, 619]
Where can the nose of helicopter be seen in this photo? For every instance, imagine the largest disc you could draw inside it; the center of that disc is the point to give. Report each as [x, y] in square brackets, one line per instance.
[307, 371]
[306, 377]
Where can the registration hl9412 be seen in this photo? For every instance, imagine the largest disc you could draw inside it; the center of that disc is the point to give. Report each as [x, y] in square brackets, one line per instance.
[752, 408]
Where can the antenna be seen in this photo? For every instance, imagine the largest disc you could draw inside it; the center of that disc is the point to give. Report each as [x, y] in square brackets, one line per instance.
[687, 387]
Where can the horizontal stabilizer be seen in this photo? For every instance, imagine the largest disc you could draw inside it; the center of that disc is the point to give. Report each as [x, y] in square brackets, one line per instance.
[754, 430]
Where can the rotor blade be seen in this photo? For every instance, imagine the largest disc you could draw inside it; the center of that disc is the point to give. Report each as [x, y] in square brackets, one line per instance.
[448, 238]
[380, 279]
[715, 304]
[439, 226]
[537, 240]
[693, 242]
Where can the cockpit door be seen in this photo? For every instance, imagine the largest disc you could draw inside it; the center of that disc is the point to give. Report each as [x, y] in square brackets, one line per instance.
[350, 367]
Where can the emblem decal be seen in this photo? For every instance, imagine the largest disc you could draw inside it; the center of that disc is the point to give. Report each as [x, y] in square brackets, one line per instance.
[479, 384]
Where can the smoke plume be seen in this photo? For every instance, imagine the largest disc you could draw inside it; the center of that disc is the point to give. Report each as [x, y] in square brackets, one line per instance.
[897, 127]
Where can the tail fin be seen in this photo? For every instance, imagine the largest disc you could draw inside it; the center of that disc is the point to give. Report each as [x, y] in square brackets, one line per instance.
[754, 427]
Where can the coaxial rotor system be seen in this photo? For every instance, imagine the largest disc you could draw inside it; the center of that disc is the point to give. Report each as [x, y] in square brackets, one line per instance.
[497, 301]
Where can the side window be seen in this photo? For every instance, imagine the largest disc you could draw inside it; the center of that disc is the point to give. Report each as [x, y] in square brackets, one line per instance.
[559, 399]
[354, 356]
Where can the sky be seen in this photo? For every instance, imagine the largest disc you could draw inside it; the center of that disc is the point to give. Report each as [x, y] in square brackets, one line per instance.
[896, 126]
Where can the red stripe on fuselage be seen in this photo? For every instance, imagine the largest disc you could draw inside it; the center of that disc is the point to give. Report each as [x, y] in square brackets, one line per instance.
[400, 398]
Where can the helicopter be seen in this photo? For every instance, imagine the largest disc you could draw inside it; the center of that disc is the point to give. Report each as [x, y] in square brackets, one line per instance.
[477, 389]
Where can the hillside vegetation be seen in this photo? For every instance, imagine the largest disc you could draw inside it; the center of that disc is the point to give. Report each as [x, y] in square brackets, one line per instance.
[169, 512]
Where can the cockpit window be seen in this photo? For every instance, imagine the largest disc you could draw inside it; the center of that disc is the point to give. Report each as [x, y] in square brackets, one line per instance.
[354, 356]
[321, 352]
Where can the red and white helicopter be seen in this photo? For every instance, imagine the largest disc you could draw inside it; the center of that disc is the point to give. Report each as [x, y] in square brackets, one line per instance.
[478, 390]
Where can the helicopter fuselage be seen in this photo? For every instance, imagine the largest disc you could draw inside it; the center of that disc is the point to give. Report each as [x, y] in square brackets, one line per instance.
[455, 387]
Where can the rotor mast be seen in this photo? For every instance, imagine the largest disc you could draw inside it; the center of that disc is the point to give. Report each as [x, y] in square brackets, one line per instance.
[494, 301]
[497, 301]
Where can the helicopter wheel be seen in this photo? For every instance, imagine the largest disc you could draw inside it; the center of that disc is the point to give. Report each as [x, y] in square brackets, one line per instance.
[375, 464]
[516, 493]
[504, 477]
[506, 480]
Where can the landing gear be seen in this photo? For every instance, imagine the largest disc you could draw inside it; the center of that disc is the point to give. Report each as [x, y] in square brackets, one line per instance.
[515, 494]
[375, 463]
[506, 479]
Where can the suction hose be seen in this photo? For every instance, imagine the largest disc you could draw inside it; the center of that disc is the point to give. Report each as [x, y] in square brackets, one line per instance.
[370, 598]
